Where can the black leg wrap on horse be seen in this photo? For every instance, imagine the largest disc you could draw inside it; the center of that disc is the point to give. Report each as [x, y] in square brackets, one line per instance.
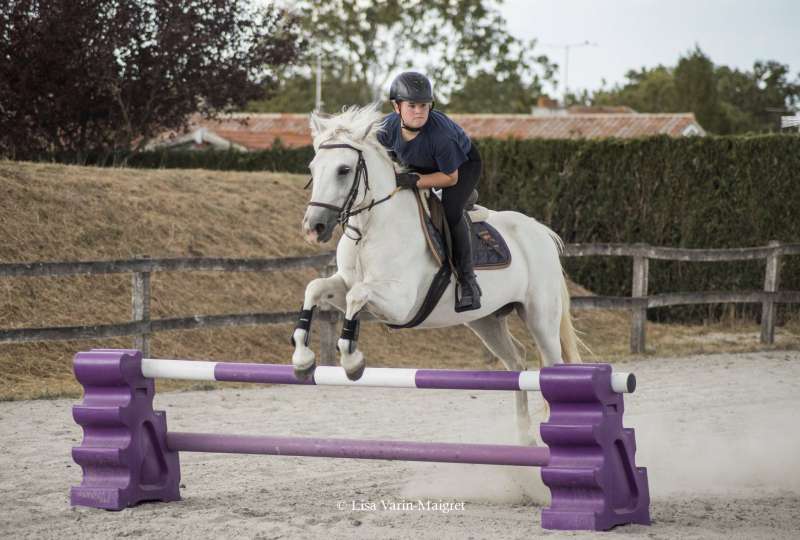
[350, 331]
[304, 323]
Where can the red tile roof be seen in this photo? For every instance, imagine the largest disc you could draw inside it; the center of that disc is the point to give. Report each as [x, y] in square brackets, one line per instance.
[260, 130]
[257, 131]
[576, 126]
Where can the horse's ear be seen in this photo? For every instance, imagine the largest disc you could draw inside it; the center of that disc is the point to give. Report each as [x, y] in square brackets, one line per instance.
[317, 124]
[375, 106]
[369, 128]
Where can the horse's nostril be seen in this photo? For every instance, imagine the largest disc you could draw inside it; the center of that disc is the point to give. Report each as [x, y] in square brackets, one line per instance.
[319, 228]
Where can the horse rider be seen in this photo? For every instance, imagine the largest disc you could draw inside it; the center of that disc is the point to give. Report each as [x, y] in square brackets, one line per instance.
[441, 155]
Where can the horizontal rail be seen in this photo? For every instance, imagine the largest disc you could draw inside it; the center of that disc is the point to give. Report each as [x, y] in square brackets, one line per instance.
[683, 299]
[443, 379]
[678, 254]
[72, 333]
[484, 454]
[607, 302]
[68, 333]
[219, 264]
[722, 297]
[201, 264]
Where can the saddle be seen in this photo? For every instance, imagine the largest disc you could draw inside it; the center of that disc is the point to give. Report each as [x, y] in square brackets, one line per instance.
[489, 249]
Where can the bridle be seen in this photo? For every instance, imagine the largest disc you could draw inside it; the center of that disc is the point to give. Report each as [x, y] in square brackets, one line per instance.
[346, 211]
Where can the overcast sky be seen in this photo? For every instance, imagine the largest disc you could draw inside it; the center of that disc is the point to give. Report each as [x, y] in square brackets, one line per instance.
[635, 33]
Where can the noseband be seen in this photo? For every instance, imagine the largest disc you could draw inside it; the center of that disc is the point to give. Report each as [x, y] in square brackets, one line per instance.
[346, 211]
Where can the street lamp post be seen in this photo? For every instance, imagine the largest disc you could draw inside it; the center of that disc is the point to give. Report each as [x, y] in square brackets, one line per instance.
[567, 47]
[318, 100]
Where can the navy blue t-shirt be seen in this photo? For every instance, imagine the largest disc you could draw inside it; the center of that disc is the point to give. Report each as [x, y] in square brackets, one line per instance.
[441, 145]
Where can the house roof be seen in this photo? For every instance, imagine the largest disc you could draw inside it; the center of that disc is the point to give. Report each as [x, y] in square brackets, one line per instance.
[579, 126]
[256, 131]
[196, 139]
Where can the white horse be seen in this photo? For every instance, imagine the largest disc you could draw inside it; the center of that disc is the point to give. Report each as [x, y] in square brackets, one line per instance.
[388, 270]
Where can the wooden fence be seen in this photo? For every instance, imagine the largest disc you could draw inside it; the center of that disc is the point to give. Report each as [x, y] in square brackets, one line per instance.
[142, 326]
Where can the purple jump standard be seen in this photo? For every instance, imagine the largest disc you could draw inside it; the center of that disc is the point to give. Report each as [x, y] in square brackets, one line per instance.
[128, 456]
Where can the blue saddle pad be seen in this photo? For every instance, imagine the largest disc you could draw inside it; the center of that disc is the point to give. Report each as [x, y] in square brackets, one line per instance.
[489, 249]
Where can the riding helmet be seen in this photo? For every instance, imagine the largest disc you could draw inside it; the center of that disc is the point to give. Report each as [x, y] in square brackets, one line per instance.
[411, 86]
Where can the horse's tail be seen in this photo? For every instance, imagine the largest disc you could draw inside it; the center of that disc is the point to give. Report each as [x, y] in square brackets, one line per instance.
[569, 338]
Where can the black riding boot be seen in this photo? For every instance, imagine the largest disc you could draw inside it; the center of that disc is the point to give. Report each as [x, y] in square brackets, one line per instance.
[468, 296]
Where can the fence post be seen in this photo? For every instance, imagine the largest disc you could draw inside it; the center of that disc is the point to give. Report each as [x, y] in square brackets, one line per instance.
[771, 280]
[141, 309]
[327, 326]
[641, 269]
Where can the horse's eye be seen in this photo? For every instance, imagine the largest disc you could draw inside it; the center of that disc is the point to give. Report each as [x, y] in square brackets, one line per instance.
[343, 170]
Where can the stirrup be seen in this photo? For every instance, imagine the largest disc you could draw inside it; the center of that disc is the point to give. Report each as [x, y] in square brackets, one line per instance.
[475, 297]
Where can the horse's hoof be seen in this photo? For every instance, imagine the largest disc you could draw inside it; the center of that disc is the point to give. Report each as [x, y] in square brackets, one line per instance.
[303, 362]
[302, 374]
[357, 373]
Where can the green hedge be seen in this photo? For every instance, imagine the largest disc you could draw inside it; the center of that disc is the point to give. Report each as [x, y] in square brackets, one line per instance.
[697, 192]
[278, 158]
[710, 192]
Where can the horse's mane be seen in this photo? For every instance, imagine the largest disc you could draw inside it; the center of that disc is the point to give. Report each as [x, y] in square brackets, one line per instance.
[357, 125]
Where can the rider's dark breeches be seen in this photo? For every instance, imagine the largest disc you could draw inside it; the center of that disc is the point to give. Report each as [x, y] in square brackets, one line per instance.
[454, 198]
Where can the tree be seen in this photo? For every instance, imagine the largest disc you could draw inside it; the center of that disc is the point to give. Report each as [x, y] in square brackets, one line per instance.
[364, 43]
[724, 100]
[696, 90]
[755, 100]
[485, 93]
[81, 76]
[296, 93]
[647, 90]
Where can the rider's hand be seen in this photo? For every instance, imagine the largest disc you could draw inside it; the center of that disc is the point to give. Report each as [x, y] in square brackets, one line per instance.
[407, 179]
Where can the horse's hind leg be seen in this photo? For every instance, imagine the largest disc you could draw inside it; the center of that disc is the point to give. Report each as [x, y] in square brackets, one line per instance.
[543, 320]
[493, 331]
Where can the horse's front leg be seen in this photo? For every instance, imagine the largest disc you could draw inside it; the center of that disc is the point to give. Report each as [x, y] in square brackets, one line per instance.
[331, 290]
[386, 301]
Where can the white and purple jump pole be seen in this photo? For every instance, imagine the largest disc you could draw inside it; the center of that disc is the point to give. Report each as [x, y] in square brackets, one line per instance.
[442, 379]
[588, 464]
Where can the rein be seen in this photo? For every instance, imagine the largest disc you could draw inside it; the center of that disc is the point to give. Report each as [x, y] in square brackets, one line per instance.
[346, 211]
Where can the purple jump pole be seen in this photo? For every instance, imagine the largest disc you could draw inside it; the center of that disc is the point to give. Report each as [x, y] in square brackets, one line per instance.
[127, 455]
[481, 454]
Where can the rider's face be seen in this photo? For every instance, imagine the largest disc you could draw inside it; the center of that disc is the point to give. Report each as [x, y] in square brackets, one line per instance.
[414, 114]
